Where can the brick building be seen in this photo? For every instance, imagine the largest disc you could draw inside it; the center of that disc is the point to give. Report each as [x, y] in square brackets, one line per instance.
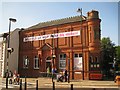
[70, 43]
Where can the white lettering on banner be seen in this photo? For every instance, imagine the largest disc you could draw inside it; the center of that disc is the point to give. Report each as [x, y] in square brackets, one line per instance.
[48, 36]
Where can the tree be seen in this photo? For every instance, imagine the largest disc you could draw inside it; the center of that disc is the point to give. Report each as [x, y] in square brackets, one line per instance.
[117, 64]
[108, 53]
[118, 53]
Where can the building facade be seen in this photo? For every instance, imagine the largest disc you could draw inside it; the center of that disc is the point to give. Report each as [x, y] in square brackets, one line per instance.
[71, 43]
[2, 56]
[10, 62]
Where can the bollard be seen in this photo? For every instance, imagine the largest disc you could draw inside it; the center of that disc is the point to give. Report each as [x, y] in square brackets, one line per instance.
[53, 85]
[6, 82]
[71, 86]
[68, 79]
[20, 84]
[25, 84]
[36, 84]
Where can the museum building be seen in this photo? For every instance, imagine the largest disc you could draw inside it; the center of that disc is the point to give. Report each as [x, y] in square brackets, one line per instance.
[71, 43]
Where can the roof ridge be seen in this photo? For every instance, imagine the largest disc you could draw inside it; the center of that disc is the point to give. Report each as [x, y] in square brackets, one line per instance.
[56, 22]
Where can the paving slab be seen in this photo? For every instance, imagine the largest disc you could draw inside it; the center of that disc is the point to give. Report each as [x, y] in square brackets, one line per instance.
[47, 84]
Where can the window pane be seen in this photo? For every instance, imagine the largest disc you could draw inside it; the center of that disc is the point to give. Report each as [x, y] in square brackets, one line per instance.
[98, 65]
[62, 61]
[96, 59]
[60, 56]
[78, 64]
[76, 55]
[91, 66]
[80, 55]
[62, 64]
[95, 65]
[64, 55]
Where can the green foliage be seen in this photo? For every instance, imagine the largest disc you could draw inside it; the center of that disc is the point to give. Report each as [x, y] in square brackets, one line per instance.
[118, 53]
[108, 49]
[108, 53]
[117, 58]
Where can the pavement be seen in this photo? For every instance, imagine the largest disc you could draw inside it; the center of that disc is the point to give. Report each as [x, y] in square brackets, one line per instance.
[47, 84]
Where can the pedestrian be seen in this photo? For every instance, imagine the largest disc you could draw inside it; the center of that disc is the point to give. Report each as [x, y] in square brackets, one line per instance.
[10, 77]
[65, 74]
[55, 70]
[18, 79]
[48, 71]
[7, 74]
[15, 77]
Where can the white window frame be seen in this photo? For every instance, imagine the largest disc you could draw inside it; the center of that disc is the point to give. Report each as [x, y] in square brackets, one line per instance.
[36, 62]
[62, 61]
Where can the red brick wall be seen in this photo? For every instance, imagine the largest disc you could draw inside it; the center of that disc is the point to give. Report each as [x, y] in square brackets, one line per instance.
[68, 45]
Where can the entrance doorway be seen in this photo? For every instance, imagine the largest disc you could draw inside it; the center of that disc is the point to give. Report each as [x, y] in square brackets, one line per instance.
[48, 64]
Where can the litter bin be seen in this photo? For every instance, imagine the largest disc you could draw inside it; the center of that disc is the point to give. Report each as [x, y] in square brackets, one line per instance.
[117, 80]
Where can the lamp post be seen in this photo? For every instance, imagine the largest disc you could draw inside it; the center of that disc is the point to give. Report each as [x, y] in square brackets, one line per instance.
[80, 11]
[26, 66]
[9, 50]
[53, 56]
[114, 65]
[68, 70]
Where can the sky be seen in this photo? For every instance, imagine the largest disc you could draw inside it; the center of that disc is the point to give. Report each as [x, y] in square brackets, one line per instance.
[32, 13]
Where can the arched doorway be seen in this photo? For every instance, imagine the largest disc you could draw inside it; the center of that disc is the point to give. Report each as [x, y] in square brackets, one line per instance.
[48, 64]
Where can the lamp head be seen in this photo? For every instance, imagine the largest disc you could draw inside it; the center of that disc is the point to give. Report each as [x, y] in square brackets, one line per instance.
[12, 19]
[79, 10]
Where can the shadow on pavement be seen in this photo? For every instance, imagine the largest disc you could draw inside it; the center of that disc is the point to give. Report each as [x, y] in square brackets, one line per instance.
[64, 89]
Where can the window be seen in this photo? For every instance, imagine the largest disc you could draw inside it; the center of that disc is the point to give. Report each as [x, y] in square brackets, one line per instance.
[94, 63]
[36, 62]
[62, 61]
[78, 63]
[25, 62]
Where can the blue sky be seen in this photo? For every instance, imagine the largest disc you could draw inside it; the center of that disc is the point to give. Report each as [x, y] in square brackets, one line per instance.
[31, 13]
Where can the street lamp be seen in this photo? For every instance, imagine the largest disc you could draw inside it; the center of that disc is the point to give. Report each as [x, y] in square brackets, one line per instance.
[9, 50]
[68, 70]
[26, 66]
[114, 65]
[53, 56]
[80, 11]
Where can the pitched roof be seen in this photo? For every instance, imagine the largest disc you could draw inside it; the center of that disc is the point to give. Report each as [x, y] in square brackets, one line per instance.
[57, 22]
